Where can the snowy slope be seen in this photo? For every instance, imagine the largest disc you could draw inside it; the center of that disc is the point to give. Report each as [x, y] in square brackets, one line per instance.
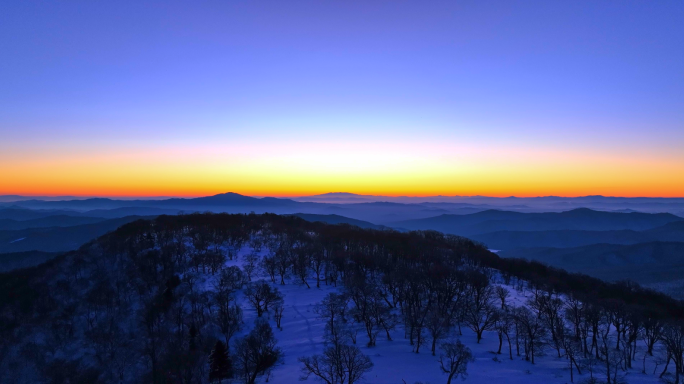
[394, 361]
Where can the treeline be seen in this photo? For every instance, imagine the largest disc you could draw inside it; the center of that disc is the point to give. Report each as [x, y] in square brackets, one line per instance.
[136, 304]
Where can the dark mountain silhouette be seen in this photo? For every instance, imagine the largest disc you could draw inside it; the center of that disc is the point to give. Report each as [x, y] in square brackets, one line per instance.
[503, 240]
[224, 199]
[577, 219]
[230, 203]
[24, 214]
[669, 232]
[337, 219]
[57, 239]
[378, 212]
[49, 221]
[221, 200]
[18, 213]
[13, 198]
[644, 263]
[132, 211]
[16, 260]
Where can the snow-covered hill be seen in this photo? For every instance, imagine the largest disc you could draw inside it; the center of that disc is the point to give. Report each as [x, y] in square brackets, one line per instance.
[148, 302]
[394, 362]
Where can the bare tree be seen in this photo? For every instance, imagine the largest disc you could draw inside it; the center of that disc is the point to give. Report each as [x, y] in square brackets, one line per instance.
[301, 262]
[531, 331]
[278, 309]
[652, 331]
[250, 265]
[332, 309]
[504, 326]
[229, 320]
[549, 308]
[317, 262]
[574, 313]
[260, 294]
[438, 325]
[502, 294]
[382, 312]
[230, 280]
[326, 367]
[366, 309]
[339, 364]
[572, 348]
[356, 363]
[283, 261]
[257, 352]
[480, 314]
[673, 339]
[454, 361]
[269, 266]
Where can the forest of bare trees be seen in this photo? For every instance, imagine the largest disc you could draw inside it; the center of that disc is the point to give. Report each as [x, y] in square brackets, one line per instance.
[127, 307]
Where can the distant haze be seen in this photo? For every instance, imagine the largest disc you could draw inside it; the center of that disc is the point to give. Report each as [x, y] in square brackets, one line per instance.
[376, 209]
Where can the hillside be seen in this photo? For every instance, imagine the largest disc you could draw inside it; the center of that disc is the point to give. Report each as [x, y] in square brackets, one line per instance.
[337, 219]
[644, 263]
[57, 239]
[504, 240]
[148, 302]
[20, 214]
[577, 219]
[45, 234]
[375, 212]
[48, 221]
[225, 200]
[16, 260]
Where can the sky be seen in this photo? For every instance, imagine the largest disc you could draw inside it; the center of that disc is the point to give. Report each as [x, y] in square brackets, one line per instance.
[291, 98]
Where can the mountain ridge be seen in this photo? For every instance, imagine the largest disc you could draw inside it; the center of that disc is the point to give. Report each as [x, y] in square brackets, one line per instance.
[578, 219]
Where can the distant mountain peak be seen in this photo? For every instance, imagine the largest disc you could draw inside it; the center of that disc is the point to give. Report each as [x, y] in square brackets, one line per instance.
[340, 194]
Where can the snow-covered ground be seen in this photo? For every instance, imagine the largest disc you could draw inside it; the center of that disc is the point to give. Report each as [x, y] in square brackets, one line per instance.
[395, 363]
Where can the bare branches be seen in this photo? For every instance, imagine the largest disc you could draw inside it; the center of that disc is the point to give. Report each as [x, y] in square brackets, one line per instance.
[454, 361]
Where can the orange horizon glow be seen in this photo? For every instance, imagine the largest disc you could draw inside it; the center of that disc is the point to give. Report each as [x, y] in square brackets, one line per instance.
[290, 100]
[300, 195]
[301, 169]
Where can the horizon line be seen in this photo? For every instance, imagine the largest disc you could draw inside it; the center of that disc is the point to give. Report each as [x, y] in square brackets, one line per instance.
[296, 196]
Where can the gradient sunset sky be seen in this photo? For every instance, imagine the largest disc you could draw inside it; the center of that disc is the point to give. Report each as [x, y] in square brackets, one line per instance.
[286, 98]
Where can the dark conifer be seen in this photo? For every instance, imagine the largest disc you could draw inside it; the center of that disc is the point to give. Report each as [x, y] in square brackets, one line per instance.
[220, 366]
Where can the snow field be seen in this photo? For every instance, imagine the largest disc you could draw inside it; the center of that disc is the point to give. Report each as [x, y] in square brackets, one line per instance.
[394, 362]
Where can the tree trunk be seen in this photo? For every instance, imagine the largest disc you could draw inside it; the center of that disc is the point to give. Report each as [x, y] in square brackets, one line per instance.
[572, 377]
[451, 376]
[532, 350]
[500, 344]
[666, 365]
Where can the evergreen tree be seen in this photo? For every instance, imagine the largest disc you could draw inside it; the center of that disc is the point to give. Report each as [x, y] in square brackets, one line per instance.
[220, 366]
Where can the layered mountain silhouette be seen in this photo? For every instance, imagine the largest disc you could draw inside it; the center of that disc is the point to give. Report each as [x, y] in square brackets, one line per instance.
[375, 212]
[577, 219]
[503, 240]
[337, 219]
[16, 260]
[57, 239]
[361, 207]
[222, 200]
[48, 221]
[645, 263]
[620, 243]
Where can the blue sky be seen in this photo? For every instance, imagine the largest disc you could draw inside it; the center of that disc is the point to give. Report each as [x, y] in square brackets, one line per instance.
[585, 76]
